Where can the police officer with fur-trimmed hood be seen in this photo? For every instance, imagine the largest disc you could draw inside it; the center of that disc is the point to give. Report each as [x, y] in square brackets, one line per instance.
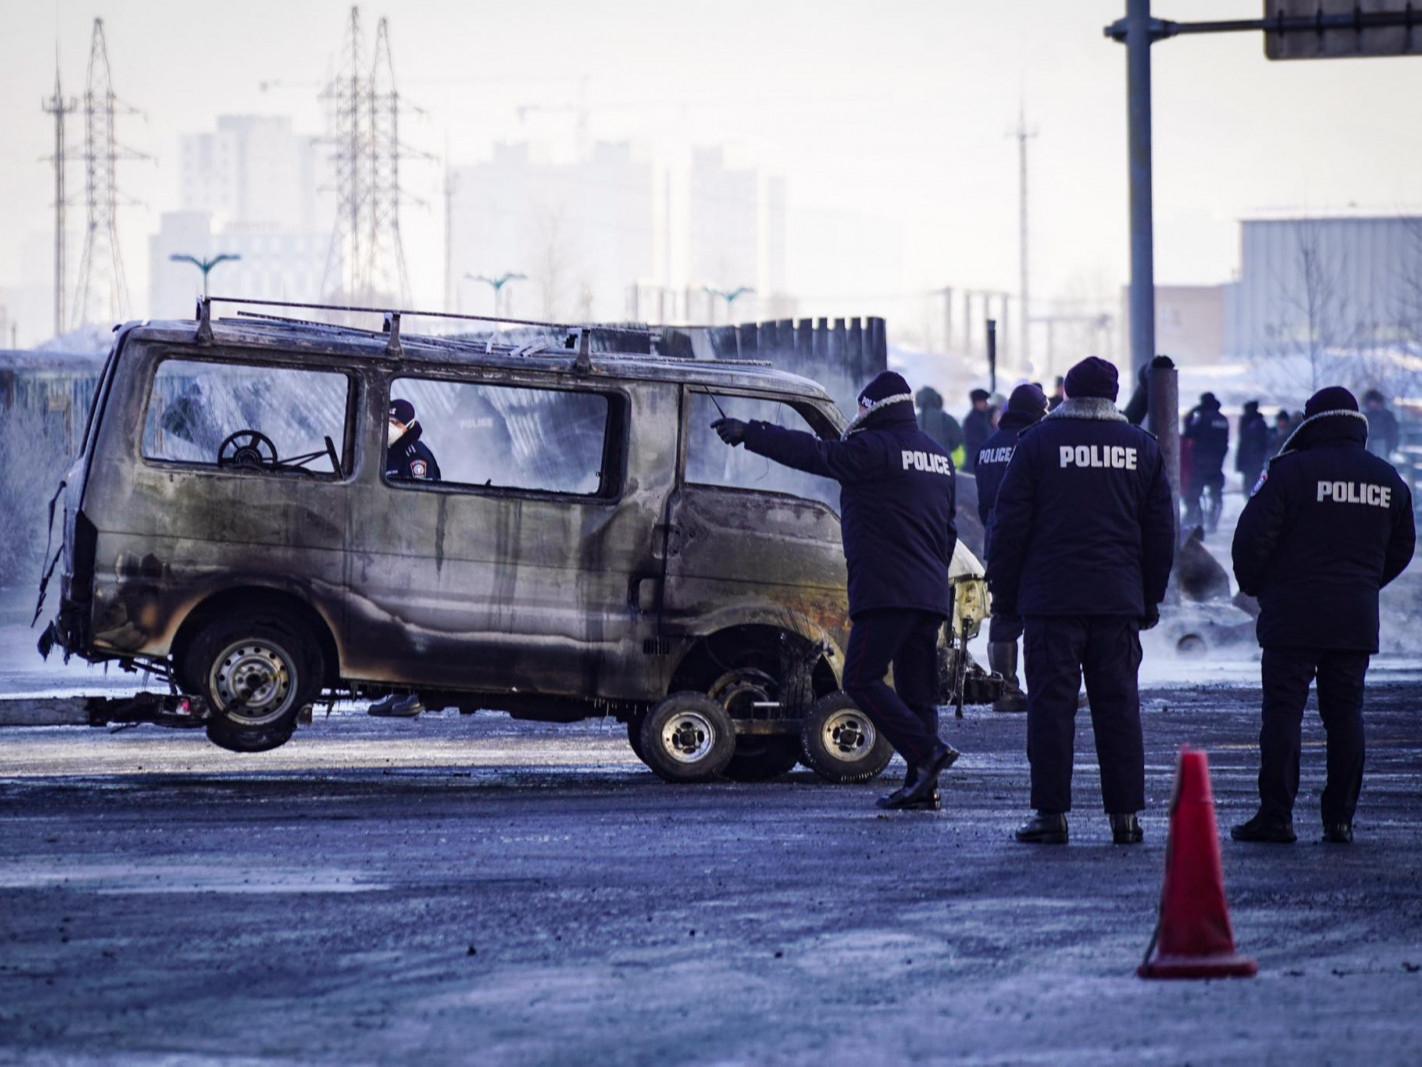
[896, 517]
[1025, 408]
[1083, 535]
[1329, 525]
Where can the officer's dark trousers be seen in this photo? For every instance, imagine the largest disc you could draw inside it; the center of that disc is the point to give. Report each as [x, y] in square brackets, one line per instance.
[1287, 673]
[1107, 649]
[1003, 627]
[908, 640]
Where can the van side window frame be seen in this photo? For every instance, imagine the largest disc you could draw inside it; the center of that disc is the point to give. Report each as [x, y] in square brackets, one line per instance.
[613, 482]
[230, 358]
[815, 421]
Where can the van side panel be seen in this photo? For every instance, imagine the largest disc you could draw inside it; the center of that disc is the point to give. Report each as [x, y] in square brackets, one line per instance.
[498, 591]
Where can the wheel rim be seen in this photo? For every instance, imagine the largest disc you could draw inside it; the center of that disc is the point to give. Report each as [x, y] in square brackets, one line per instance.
[848, 735]
[688, 737]
[253, 681]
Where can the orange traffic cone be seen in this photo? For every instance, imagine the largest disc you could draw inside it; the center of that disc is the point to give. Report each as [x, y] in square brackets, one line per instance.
[1192, 937]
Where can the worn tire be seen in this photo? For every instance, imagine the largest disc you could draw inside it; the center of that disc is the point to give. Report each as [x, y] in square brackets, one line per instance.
[255, 671]
[760, 758]
[840, 743]
[688, 737]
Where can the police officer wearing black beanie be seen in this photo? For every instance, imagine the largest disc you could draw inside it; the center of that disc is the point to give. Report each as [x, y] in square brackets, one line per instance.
[1083, 535]
[896, 517]
[1329, 525]
[1025, 408]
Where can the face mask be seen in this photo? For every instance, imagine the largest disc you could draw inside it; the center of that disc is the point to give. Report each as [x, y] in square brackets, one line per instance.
[392, 433]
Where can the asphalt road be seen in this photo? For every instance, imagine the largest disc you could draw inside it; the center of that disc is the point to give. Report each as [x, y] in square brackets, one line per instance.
[479, 890]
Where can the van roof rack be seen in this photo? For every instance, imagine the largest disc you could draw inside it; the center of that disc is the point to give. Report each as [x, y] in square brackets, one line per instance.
[577, 335]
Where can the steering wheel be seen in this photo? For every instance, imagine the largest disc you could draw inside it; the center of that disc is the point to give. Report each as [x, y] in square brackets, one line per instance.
[247, 450]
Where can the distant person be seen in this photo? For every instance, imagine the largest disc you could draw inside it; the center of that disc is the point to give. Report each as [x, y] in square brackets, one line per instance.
[1055, 400]
[997, 404]
[1329, 526]
[1283, 426]
[407, 458]
[1253, 449]
[897, 505]
[977, 427]
[1382, 425]
[1083, 536]
[1026, 407]
[1207, 430]
[936, 422]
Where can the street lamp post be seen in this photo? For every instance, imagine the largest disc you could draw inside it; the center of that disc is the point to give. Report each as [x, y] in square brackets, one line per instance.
[497, 285]
[204, 265]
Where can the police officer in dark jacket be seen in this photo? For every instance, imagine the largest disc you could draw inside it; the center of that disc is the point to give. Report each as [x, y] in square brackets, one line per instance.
[977, 427]
[896, 516]
[1329, 527]
[1025, 408]
[1208, 431]
[407, 457]
[1253, 447]
[1083, 534]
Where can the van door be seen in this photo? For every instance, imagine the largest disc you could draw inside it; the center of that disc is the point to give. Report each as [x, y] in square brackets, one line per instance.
[518, 569]
[751, 541]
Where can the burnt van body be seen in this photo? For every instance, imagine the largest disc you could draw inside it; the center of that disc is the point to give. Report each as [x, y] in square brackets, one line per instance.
[590, 549]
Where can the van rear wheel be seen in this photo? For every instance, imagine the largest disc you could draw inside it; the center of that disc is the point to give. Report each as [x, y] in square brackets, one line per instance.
[688, 737]
[255, 671]
[840, 743]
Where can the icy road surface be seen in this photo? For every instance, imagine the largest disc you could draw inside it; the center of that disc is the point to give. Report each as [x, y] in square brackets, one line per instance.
[479, 890]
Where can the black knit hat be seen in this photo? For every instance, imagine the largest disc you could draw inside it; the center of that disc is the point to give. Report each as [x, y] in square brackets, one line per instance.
[1028, 399]
[887, 387]
[1093, 376]
[979, 394]
[1333, 398]
[402, 411]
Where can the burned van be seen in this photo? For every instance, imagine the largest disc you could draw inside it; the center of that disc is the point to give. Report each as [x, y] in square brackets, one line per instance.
[590, 548]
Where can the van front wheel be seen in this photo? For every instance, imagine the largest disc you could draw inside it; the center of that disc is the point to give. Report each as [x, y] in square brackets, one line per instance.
[255, 671]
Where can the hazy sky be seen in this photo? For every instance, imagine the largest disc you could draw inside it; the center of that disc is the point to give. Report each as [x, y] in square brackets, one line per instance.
[889, 119]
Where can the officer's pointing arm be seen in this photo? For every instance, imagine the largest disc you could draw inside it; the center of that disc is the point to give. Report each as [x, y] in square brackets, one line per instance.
[1261, 524]
[856, 459]
[1157, 537]
[1403, 542]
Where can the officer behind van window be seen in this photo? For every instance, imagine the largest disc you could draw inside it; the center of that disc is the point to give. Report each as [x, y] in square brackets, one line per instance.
[1329, 526]
[1083, 534]
[407, 457]
[1025, 408]
[896, 515]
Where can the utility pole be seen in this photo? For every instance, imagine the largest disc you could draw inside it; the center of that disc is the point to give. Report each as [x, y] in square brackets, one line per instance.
[497, 285]
[729, 296]
[1139, 37]
[101, 264]
[59, 106]
[1023, 135]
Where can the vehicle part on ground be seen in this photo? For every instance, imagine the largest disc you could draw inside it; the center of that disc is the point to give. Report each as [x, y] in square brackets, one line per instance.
[840, 743]
[255, 671]
[1192, 646]
[688, 737]
[634, 737]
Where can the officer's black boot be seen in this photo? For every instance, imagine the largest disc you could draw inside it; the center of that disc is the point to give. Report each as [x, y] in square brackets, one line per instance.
[1338, 833]
[1002, 659]
[1043, 828]
[1265, 829]
[1126, 829]
[922, 784]
[382, 706]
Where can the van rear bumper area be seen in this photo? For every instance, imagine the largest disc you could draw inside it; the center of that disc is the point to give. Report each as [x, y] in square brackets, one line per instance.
[70, 628]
